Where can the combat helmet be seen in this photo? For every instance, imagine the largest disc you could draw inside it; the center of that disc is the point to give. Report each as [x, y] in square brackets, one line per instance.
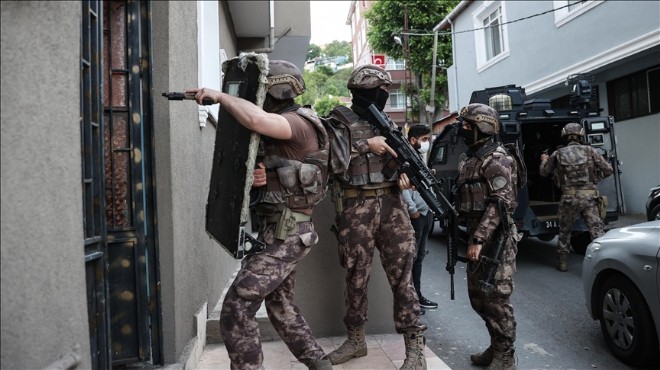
[572, 129]
[284, 80]
[368, 76]
[483, 117]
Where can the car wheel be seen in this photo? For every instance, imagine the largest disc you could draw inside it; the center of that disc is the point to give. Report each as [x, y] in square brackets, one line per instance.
[626, 322]
[580, 241]
[655, 213]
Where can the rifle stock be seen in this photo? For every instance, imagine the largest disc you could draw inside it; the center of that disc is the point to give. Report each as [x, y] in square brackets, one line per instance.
[493, 259]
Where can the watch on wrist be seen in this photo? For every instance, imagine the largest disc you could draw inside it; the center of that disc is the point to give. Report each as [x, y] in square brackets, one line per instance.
[477, 241]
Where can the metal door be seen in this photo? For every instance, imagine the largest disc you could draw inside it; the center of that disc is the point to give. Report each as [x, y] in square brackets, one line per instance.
[121, 254]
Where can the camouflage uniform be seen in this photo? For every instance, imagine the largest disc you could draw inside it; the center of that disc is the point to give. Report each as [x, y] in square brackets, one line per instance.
[296, 173]
[371, 214]
[577, 168]
[269, 275]
[488, 176]
[495, 176]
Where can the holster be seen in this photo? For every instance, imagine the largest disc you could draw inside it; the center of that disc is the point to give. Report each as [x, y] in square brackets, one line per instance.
[288, 223]
[336, 194]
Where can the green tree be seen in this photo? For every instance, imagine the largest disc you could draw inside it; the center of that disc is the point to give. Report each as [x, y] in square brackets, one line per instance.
[386, 20]
[313, 51]
[324, 105]
[339, 48]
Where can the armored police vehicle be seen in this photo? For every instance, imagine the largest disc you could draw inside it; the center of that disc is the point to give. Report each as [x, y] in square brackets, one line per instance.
[535, 126]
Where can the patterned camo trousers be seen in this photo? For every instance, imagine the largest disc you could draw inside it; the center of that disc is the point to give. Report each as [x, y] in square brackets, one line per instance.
[378, 223]
[270, 276]
[570, 206]
[496, 309]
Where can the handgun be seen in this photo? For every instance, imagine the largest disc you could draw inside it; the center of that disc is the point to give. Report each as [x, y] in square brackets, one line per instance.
[186, 96]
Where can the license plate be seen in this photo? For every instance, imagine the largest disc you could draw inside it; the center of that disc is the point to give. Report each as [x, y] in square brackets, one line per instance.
[552, 224]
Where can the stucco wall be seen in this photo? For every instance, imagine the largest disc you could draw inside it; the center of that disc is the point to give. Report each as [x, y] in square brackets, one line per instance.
[194, 269]
[320, 284]
[538, 49]
[638, 151]
[44, 310]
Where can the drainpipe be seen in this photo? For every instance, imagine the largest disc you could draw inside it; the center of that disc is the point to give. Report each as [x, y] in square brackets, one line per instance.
[453, 57]
[431, 107]
[271, 38]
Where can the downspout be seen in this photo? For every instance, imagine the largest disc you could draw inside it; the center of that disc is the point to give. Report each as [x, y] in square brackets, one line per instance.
[431, 107]
[453, 57]
[271, 38]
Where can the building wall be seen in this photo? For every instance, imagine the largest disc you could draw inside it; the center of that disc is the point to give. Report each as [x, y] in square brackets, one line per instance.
[293, 46]
[548, 49]
[44, 307]
[541, 59]
[638, 151]
[194, 269]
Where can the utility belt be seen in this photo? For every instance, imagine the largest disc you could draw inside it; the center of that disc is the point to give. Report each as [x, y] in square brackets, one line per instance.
[580, 192]
[285, 219]
[368, 193]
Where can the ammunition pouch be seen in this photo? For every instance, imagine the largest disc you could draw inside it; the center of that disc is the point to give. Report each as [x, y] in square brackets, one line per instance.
[298, 185]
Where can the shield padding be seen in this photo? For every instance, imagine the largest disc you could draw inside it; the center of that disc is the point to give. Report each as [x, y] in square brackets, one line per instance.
[234, 158]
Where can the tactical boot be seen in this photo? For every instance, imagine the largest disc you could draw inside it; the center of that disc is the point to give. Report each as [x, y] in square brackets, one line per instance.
[503, 360]
[562, 263]
[321, 364]
[415, 359]
[354, 346]
[484, 358]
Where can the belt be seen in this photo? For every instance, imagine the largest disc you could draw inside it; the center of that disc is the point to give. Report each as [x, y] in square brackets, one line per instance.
[354, 193]
[272, 219]
[580, 191]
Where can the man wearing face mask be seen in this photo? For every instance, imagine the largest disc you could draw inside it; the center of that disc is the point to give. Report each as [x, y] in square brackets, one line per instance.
[371, 216]
[420, 215]
[295, 148]
[487, 183]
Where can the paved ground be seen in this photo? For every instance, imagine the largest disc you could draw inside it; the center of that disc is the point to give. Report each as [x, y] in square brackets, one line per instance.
[384, 352]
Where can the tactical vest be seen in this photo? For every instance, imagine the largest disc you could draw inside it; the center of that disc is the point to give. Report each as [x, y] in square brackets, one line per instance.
[473, 187]
[298, 184]
[575, 167]
[365, 168]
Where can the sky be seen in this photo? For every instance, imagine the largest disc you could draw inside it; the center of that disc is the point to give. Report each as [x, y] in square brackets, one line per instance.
[329, 21]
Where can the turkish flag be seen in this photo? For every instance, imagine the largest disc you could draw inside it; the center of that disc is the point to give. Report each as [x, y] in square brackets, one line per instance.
[378, 59]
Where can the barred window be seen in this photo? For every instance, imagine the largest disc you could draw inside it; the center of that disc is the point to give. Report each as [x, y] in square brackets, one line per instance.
[635, 95]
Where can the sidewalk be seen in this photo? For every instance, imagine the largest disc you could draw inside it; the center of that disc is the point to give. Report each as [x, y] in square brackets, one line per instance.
[386, 351]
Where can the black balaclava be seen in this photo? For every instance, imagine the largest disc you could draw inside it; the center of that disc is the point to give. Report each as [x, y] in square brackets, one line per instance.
[473, 137]
[272, 105]
[363, 98]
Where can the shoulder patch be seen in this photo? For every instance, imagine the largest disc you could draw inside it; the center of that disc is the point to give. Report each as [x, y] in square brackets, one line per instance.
[498, 182]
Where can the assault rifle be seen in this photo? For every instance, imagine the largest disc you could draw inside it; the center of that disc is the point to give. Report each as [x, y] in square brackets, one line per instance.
[493, 259]
[453, 236]
[410, 163]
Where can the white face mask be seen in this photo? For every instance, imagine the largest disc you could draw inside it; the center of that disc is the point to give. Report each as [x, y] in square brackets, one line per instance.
[425, 145]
